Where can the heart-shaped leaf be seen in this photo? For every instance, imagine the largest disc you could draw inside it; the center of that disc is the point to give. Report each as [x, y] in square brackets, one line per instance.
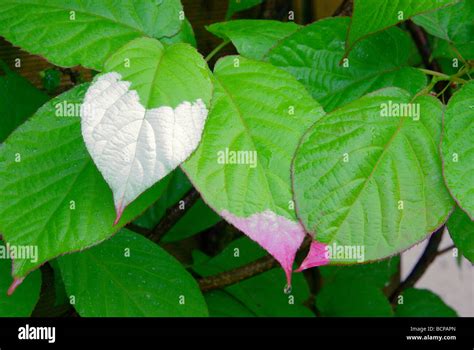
[242, 166]
[458, 148]
[74, 32]
[367, 177]
[146, 115]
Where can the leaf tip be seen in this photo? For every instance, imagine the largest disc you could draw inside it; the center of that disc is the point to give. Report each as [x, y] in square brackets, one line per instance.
[16, 282]
[317, 256]
[278, 235]
[119, 210]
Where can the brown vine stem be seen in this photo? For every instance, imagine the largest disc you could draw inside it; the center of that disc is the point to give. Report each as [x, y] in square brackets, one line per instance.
[73, 75]
[429, 255]
[421, 41]
[230, 277]
[172, 216]
[238, 274]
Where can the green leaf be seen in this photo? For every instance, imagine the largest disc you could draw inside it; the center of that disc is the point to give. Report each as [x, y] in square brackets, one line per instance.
[313, 56]
[262, 294]
[18, 100]
[185, 35]
[130, 276]
[253, 38]
[365, 177]
[74, 32]
[261, 112]
[223, 304]
[199, 218]
[461, 229]
[352, 297]
[371, 16]
[423, 303]
[240, 5]
[53, 196]
[453, 24]
[23, 301]
[377, 273]
[457, 147]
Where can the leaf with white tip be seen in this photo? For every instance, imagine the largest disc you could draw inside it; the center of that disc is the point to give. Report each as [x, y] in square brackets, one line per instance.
[146, 115]
[258, 114]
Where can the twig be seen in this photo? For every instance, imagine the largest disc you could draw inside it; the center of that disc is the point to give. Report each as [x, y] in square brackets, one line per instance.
[445, 250]
[73, 75]
[173, 215]
[238, 274]
[230, 277]
[421, 41]
[428, 256]
[345, 9]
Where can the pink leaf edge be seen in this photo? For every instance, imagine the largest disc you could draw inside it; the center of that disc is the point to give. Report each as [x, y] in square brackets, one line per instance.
[317, 256]
[16, 282]
[278, 235]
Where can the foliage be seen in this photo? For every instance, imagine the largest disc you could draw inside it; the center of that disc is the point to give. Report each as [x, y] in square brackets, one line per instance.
[333, 133]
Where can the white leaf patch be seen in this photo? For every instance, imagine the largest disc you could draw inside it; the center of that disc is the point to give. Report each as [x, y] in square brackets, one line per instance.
[134, 147]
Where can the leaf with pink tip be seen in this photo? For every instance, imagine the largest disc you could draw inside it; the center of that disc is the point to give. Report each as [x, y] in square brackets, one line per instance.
[242, 165]
[317, 256]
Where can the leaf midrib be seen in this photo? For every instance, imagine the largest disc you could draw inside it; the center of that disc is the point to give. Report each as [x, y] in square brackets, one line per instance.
[247, 130]
[382, 155]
